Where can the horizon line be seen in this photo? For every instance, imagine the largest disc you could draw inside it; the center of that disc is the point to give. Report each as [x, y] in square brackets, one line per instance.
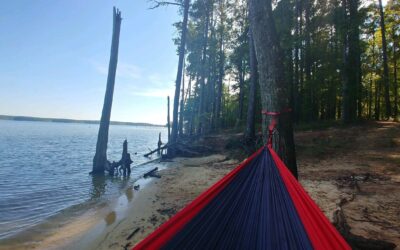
[70, 120]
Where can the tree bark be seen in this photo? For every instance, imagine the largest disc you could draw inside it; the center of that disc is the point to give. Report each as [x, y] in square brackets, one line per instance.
[202, 105]
[351, 54]
[274, 90]
[388, 110]
[174, 134]
[221, 72]
[250, 126]
[239, 118]
[100, 158]
[297, 69]
[182, 105]
[395, 87]
[168, 121]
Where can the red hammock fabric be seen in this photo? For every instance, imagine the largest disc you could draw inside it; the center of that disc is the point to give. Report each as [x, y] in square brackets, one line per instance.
[319, 230]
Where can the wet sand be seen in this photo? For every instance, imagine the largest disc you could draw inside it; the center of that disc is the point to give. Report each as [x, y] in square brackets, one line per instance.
[183, 180]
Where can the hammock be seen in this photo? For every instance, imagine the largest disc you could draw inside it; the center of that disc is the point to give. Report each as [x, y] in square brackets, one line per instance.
[258, 205]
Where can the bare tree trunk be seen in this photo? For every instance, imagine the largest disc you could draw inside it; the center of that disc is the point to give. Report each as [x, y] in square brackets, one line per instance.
[395, 87]
[174, 134]
[239, 118]
[168, 122]
[250, 126]
[202, 105]
[274, 90]
[220, 80]
[182, 105]
[100, 158]
[385, 62]
[297, 72]
[377, 85]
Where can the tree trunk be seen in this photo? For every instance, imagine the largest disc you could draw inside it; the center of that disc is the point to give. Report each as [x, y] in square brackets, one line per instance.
[168, 121]
[395, 87]
[250, 126]
[239, 118]
[220, 80]
[274, 90]
[297, 70]
[351, 56]
[174, 134]
[100, 158]
[385, 62]
[202, 105]
[182, 105]
[308, 99]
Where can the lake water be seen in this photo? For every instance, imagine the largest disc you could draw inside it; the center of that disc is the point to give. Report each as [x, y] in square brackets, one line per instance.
[44, 168]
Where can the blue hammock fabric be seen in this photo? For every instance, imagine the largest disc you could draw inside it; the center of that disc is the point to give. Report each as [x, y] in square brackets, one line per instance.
[251, 208]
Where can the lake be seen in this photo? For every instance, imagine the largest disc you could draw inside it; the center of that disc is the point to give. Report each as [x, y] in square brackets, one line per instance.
[44, 168]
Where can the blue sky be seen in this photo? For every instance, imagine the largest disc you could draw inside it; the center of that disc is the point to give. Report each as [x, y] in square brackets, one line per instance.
[54, 59]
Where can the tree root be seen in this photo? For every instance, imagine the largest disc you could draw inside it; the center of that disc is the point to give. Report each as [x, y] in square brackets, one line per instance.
[356, 241]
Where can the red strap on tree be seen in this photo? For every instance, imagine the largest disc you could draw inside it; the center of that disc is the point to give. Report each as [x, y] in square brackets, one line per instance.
[273, 123]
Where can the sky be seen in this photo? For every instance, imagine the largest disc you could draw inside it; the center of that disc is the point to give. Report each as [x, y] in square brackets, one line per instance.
[54, 59]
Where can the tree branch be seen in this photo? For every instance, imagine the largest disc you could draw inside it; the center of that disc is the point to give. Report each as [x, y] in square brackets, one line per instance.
[163, 3]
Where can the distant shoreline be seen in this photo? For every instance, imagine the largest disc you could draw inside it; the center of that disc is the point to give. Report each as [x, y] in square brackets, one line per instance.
[63, 120]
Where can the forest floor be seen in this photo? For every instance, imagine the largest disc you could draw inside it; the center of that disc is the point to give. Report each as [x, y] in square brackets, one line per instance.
[360, 164]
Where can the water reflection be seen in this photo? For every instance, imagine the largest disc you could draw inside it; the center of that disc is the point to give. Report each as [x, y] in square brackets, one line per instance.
[110, 218]
[98, 186]
[129, 194]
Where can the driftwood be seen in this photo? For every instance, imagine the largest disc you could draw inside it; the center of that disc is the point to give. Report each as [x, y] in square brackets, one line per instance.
[155, 150]
[152, 173]
[133, 233]
[183, 148]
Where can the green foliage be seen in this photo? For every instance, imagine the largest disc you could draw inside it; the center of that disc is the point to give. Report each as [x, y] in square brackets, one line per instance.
[324, 43]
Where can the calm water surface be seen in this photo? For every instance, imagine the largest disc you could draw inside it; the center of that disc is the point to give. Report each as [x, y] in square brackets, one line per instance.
[44, 168]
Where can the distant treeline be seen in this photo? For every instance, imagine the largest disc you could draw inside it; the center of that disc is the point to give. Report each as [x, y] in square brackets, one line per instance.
[40, 119]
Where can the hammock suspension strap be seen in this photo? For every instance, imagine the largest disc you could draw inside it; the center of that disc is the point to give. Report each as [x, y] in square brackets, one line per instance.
[273, 123]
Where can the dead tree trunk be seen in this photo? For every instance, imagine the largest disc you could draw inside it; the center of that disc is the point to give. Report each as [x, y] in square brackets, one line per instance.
[174, 134]
[250, 126]
[273, 85]
[388, 110]
[100, 158]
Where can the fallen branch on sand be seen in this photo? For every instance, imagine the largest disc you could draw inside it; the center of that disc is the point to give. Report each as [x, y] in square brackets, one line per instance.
[152, 173]
[133, 233]
[184, 149]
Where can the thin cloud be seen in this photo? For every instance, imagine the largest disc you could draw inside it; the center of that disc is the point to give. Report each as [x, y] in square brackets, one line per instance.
[135, 81]
[124, 70]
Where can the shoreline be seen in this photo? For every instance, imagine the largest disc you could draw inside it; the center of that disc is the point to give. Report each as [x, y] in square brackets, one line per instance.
[181, 181]
[59, 230]
[108, 223]
[328, 180]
